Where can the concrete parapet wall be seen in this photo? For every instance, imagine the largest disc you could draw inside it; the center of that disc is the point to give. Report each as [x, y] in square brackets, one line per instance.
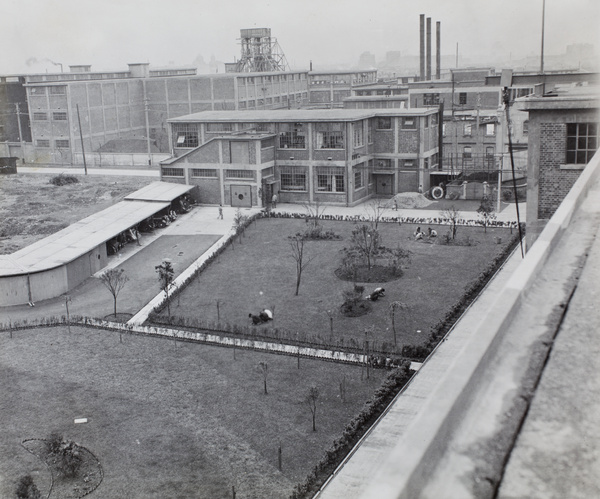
[408, 467]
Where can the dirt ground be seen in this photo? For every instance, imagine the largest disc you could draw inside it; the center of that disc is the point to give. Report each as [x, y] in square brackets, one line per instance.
[31, 207]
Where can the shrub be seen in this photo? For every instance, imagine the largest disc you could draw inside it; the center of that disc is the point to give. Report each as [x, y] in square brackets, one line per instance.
[63, 179]
[27, 489]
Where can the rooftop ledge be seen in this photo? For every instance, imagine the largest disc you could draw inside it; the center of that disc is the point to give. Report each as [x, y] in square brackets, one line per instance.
[451, 431]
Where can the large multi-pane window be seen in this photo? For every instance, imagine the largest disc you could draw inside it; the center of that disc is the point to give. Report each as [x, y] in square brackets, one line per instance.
[330, 135]
[467, 129]
[61, 90]
[42, 142]
[582, 142]
[185, 135]
[383, 164]
[431, 99]
[384, 123]
[292, 136]
[490, 129]
[172, 172]
[40, 116]
[240, 174]
[219, 127]
[293, 178]
[359, 176]
[59, 115]
[62, 143]
[370, 131]
[204, 173]
[330, 179]
[359, 139]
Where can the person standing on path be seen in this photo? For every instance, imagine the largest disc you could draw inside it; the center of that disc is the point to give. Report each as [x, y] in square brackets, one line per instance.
[220, 212]
[274, 200]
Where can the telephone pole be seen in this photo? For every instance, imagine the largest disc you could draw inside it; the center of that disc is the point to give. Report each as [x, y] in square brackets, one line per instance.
[20, 132]
[81, 137]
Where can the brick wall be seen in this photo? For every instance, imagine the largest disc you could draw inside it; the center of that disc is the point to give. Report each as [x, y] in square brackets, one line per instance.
[554, 183]
[408, 141]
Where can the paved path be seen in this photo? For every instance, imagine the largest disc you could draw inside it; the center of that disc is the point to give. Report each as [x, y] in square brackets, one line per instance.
[77, 170]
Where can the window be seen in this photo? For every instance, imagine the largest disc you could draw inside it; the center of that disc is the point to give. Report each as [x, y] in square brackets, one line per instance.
[240, 174]
[267, 143]
[39, 116]
[444, 129]
[408, 163]
[42, 142]
[490, 129]
[489, 152]
[467, 152]
[58, 90]
[525, 127]
[434, 160]
[462, 98]
[370, 131]
[467, 129]
[293, 178]
[268, 172]
[409, 123]
[204, 173]
[384, 123]
[434, 119]
[185, 135]
[582, 142]
[59, 116]
[359, 139]
[431, 99]
[172, 172]
[330, 179]
[292, 136]
[330, 136]
[219, 127]
[62, 143]
[425, 121]
[359, 182]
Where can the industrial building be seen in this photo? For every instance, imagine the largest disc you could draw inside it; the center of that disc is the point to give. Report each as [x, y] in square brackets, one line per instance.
[337, 156]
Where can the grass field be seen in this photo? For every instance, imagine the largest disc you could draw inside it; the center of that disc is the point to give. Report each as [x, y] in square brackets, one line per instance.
[31, 208]
[260, 273]
[169, 420]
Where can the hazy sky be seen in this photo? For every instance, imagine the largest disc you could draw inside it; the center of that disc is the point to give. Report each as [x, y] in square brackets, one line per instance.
[108, 34]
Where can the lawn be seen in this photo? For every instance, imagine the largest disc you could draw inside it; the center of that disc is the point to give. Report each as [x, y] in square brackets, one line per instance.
[169, 420]
[31, 207]
[260, 273]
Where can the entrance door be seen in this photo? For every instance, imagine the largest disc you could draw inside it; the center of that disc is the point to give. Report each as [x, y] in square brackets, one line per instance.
[383, 184]
[240, 196]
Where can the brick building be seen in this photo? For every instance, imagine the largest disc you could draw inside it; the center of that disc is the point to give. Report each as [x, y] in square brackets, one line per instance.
[337, 156]
[563, 137]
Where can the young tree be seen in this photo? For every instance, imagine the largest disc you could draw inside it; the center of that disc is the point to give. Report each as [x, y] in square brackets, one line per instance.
[366, 241]
[27, 489]
[313, 213]
[311, 401]
[394, 306]
[453, 216]
[114, 280]
[263, 368]
[486, 212]
[166, 275]
[374, 211]
[239, 222]
[297, 253]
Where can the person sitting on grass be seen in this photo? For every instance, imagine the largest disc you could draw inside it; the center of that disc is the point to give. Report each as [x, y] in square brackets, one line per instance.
[264, 316]
[431, 233]
[376, 294]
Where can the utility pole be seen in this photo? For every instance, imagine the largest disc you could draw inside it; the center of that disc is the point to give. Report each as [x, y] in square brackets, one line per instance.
[147, 125]
[81, 137]
[20, 132]
[543, 22]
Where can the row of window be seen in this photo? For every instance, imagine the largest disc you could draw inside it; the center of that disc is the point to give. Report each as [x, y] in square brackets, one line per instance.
[58, 143]
[213, 173]
[56, 115]
[268, 78]
[54, 90]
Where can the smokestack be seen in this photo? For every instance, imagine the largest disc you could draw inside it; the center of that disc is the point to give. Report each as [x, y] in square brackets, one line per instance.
[428, 48]
[311, 65]
[422, 48]
[438, 56]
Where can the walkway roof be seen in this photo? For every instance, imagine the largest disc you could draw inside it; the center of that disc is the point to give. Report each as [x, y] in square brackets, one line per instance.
[162, 192]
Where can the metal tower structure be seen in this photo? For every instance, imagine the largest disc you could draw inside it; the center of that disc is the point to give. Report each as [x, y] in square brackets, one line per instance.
[260, 52]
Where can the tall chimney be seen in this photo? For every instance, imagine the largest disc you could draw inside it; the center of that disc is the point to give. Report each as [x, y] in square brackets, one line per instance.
[422, 49]
[428, 48]
[438, 56]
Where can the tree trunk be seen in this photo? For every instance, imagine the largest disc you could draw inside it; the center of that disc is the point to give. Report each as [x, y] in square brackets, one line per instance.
[115, 305]
[265, 383]
[314, 417]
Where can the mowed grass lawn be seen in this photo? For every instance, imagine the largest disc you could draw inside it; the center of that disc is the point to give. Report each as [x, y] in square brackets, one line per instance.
[260, 273]
[169, 420]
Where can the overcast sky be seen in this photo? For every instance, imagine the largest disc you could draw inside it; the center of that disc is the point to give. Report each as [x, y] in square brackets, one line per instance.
[108, 34]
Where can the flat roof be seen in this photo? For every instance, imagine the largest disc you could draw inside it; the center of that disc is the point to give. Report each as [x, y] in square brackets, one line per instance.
[286, 115]
[159, 192]
[83, 236]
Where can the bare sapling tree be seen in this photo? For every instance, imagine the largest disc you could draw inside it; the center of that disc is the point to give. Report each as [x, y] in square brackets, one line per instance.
[311, 401]
[299, 256]
[263, 368]
[375, 210]
[486, 212]
[453, 216]
[239, 224]
[366, 241]
[394, 307]
[314, 211]
[114, 280]
[166, 275]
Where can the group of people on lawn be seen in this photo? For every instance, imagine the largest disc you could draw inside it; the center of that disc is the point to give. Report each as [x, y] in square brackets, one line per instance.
[419, 234]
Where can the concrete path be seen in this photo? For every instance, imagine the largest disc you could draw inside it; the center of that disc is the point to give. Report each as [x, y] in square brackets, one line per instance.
[77, 170]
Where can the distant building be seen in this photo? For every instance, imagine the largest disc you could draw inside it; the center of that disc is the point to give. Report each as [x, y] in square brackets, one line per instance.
[337, 156]
[134, 105]
[328, 89]
[367, 61]
[14, 116]
[564, 129]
